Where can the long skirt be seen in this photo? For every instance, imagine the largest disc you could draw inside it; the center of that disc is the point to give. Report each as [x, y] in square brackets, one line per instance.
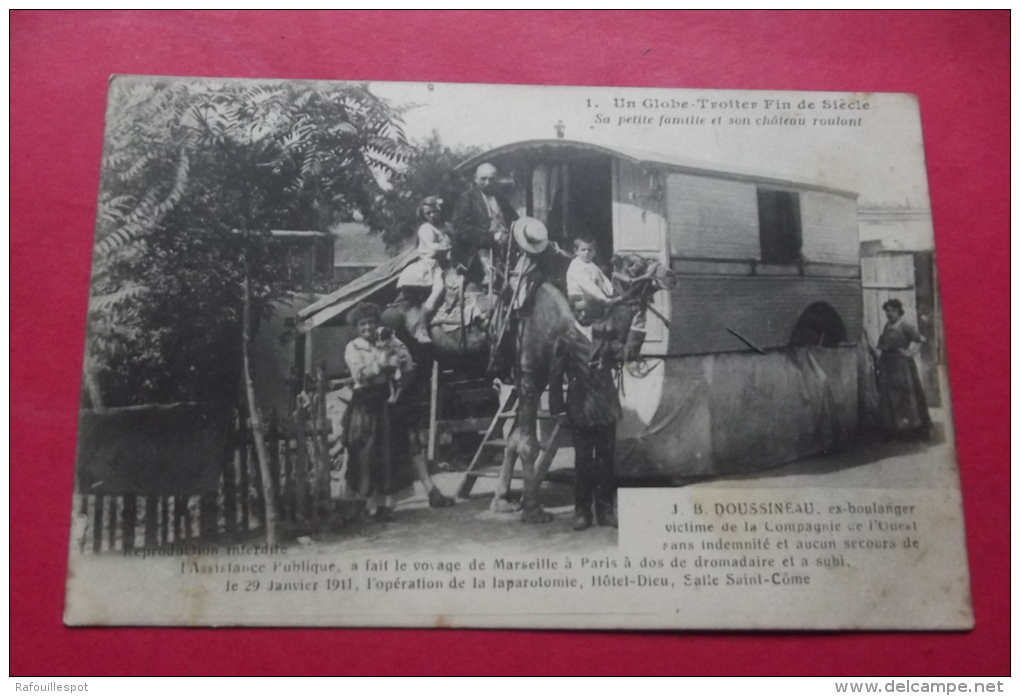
[379, 467]
[422, 272]
[901, 403]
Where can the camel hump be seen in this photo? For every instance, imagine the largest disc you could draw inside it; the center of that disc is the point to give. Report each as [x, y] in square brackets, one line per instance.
[554, 300]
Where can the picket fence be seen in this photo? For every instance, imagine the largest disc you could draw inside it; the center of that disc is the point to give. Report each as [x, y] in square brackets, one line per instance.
[302, 453]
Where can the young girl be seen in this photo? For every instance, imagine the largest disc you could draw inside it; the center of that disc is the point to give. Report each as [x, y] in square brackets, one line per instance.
[379, 466]
[433, 252]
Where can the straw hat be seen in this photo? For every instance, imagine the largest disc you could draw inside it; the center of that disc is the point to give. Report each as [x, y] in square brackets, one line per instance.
[530, 234]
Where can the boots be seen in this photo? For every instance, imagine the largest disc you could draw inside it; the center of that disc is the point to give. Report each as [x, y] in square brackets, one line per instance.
[605, 516]
[582, 519]
[438, 500]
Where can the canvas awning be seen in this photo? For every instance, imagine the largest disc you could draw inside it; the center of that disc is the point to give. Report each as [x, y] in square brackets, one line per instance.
[358, 290]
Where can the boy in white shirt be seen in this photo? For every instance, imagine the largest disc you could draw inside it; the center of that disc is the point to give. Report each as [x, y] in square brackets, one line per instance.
[584, 278]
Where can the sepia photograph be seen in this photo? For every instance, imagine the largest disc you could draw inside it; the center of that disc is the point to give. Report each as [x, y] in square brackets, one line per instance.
[428, 354]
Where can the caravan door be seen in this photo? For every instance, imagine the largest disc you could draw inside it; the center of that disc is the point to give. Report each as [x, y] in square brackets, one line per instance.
[639, 227]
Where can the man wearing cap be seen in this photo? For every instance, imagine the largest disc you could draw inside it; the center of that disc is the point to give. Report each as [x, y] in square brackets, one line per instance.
[481, 225]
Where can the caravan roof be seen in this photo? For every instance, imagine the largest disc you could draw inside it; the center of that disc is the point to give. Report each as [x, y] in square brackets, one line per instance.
[554, 147]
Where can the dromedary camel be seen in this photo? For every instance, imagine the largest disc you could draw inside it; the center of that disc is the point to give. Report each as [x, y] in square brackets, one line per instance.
[548, 325]
[543, 325]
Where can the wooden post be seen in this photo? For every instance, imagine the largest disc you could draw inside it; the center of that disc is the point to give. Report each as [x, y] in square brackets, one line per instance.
[258, 487]
[164, 520]
[308, 354]
[273, 443]
[97, 523]
[83, 512]
[113, 523]
[288, 510]
[229, 475]
[245, 480]
[321, 430]
[208, 516]
[180, 517]
[315, 457]
[186, 518]
[91, 380]
[151, 520]
[433, 409]
[256, 425]
[128, 518]
[301, 463]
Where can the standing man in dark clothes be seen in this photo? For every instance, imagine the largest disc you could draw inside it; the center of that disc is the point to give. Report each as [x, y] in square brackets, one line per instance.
[592, 410]
[481, 226]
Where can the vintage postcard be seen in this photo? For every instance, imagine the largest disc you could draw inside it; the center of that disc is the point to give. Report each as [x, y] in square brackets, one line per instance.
[456, 355]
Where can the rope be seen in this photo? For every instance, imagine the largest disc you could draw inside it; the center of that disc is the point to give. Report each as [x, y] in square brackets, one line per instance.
[463, 329]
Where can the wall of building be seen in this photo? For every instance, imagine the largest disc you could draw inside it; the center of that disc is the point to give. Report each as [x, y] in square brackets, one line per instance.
[764, 309]
[829, 228]
[273, 360]
[718, 219]
[712, 218]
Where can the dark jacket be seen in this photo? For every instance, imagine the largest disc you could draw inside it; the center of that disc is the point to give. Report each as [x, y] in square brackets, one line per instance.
[471, 223]
[592, 394]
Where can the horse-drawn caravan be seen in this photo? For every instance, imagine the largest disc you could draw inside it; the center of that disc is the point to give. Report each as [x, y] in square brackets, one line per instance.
[750, 359]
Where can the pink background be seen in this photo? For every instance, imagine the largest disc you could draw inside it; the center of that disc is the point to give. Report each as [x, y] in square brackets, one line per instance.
[958, 64]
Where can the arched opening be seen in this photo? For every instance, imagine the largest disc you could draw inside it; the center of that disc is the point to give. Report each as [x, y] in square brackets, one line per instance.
[818, 325]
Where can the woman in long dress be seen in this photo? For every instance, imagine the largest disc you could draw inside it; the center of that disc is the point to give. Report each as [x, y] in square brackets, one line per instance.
[378, 442]
[903, 409]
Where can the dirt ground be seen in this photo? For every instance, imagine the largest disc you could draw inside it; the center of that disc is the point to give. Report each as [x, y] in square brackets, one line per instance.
[470, 525]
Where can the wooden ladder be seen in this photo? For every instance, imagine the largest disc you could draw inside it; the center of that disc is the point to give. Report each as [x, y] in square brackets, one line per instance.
[507, 414]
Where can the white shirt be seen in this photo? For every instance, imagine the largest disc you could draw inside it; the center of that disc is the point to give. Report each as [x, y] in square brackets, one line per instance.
[588, 280]
[366, 360]
[432, 240]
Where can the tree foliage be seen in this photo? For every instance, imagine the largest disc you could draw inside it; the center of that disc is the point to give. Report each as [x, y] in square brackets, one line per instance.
[195, 175]
[429, 171]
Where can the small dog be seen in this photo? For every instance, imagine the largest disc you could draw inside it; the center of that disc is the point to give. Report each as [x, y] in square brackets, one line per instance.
[392, 350]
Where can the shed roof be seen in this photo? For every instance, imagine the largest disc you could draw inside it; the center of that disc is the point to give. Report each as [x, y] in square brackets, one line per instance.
[655, 160]
[358, 290]
[298, 234]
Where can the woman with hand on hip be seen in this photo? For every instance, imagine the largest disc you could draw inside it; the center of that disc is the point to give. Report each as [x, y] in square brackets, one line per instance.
[903, 409]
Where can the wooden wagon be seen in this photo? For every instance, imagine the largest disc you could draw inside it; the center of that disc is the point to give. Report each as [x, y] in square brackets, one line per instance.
[755, 359]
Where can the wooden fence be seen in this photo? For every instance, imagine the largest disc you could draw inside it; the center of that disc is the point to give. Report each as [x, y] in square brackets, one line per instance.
[302, 452]
[907, 277]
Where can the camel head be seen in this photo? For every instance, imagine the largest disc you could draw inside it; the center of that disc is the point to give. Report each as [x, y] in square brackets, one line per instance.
[641, 274]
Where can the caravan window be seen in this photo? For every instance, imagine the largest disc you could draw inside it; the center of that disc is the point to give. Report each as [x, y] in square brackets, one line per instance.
[779, 225]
